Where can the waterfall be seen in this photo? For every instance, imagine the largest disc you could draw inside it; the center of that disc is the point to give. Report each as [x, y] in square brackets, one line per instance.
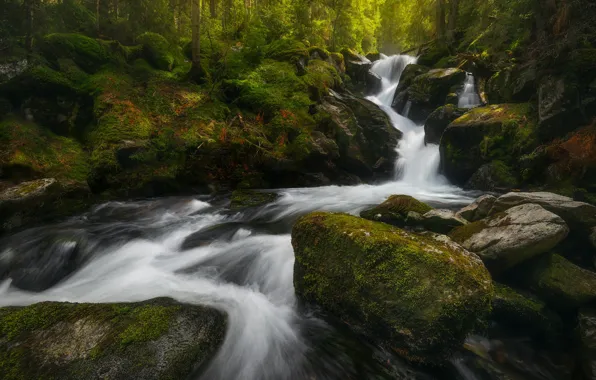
[469, 98]
[417, 164]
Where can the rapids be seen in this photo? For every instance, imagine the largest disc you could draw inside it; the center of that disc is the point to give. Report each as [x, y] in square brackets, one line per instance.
[133, 251]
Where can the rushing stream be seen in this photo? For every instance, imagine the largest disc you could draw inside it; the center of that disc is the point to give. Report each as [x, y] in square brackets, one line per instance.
[133, 251]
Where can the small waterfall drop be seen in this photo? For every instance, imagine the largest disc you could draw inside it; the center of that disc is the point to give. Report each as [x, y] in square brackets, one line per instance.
[469, 98]
[418, 164]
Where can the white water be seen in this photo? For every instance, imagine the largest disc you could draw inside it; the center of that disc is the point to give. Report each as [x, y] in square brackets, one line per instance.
[469, 98]
[249, 276]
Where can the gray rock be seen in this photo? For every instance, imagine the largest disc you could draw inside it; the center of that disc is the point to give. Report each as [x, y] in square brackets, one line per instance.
[442, 221]
[586, 329]
[516, 235]
[578, 215]
[494, 176]
[438, 121]
[479, 209]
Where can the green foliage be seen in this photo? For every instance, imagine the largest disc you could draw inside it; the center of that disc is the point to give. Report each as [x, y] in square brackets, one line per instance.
[86, 52]
[157, 50]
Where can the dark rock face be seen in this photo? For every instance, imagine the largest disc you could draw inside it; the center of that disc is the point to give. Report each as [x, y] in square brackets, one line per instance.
[369, 275]
[438, 121]
[157, 339]
[512, 85]
[559, 107]
[587, 337]
[427, 92]
[374, 83]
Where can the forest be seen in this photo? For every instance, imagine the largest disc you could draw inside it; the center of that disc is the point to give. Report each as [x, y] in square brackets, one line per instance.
[298, 189]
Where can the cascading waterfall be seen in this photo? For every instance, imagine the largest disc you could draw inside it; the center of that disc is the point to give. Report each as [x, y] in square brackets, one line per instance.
[418, 163]
[133, 251]
[469, 98]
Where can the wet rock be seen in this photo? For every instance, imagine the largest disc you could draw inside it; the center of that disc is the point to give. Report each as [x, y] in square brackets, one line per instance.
[363, 133]
[373, 57]
[418, 295]
[483, 135]
[442, 221]
[242, 199]
[495, 176]
[578, 215]
[395, 210]
[427, 92]
[506, 239]
[438, 121]
[220, 232]
[374, 83]
[593, 237]
[479, 209]
[157, 339]
[40, 200]
[558, 281]
[523, 312]
[357, 69]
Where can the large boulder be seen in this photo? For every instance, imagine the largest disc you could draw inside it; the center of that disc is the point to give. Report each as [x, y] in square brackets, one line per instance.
[427, 92]
[506, 239]
[578, 215]
[559, 282]
[363, 133]
[442, 221]
[439, 120]
[395, 210]
[484, 134]
[157, 50]
[478, 209]
[523, 312]
[494, 176]
[417, 295]
[157, 339]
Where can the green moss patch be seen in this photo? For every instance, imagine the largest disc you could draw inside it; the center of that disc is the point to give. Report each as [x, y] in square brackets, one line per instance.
[247, 198]
[395, 210]
[87, 52]
[157, 50]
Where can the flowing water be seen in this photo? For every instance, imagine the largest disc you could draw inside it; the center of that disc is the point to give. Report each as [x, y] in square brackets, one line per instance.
[241, 262]
[469, 97]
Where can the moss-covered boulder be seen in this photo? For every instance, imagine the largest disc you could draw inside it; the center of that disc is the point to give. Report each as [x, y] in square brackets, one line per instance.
[287, 49]
[427, 92]
[494, 176]
[88, 53]
[514, 236]
[416, 295]
[559, 282]
[514, 84]
[395, 210]
[523, 312]
[250, 198]
[408, 75]
[439, 120]
[157, 339]
[157, 50]
[484, 134]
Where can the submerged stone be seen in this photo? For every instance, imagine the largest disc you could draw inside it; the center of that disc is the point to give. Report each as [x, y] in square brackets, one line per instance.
[251, 198]
[417, 295]
[395, 210]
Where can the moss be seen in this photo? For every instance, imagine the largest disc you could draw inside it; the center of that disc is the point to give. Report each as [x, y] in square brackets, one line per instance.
[86, 52]
[395, 210]
[418, 295]
[320, 77]
[27, 145]
[286, 49]
[151, 322]
[463, 233]
[321, 52]
[157, 50]
[249, 198]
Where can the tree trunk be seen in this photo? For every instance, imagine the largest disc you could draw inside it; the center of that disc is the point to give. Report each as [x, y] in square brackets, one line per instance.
[28, 10]
[453, 13]
[213, 8]
[116, 9]
[197, 73]
[97, 6]
[440, 19]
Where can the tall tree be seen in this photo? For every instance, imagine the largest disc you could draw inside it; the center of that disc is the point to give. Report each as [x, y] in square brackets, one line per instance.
[197, 73]
[440, 19]
[28, 6]
[213, 8]
[453, 13]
